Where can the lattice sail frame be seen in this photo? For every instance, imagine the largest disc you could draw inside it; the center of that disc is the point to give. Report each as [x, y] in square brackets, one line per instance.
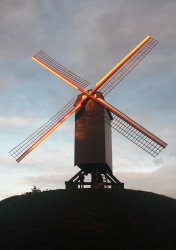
[104, 85]
[131, 132]
[127, 66]
[134, 135]
[25, 147]
[59, 70]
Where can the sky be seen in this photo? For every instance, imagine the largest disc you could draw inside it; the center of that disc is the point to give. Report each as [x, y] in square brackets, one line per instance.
[89, 38]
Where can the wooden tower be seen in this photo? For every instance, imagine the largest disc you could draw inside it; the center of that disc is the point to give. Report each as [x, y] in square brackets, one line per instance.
[93, 146]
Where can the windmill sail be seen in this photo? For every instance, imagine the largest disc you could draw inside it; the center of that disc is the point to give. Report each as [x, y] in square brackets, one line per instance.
[132, 130]
[62, 72]
[25, 147]
[123, 68]
[120, 122]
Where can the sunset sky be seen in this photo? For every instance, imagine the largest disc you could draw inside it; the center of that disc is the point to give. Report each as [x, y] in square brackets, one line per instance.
[89, 38]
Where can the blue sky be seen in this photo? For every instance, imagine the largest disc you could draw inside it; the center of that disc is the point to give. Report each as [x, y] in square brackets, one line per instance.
[88, 37]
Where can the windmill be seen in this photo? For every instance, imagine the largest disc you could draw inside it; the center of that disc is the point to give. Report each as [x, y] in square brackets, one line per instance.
[94, 118]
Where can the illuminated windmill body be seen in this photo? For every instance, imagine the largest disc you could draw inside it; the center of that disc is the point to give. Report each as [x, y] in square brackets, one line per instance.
[94, 118]
[93, 136]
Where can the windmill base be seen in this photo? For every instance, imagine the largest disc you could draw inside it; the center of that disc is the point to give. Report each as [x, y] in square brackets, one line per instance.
[108, 181]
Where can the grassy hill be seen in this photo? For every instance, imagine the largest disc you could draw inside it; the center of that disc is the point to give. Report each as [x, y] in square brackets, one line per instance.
[88, 219]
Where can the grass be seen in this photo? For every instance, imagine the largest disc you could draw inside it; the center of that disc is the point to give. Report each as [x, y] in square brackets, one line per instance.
[88, 219]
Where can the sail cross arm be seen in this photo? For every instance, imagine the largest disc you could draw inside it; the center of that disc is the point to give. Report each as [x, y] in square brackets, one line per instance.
[60, 71]
[25, 147]
[123, 68]
[132, 130]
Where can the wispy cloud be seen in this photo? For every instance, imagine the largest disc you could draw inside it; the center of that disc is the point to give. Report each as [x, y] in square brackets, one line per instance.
[161, 181]
[14, 120]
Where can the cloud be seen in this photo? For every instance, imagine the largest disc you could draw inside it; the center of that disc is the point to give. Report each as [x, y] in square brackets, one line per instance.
[45, 179]
[7, 193]
[161, 181]
[17, 120]
[158, 161]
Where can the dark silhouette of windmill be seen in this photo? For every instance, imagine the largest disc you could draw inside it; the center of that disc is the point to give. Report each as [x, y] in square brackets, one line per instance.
[94, 118]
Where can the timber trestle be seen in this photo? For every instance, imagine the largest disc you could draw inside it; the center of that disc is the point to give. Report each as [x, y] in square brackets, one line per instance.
[106, 180]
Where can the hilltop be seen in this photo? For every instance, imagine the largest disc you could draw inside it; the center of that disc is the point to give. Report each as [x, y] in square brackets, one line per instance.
[88, 219]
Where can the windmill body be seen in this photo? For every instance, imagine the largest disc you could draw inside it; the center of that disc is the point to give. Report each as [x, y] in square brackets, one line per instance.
[94, 118]
[93, 147]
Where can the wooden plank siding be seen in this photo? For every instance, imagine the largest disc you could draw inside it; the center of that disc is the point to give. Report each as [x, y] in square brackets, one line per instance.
[92, 134]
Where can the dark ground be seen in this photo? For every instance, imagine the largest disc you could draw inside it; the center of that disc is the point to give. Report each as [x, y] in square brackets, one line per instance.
[88, 219]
